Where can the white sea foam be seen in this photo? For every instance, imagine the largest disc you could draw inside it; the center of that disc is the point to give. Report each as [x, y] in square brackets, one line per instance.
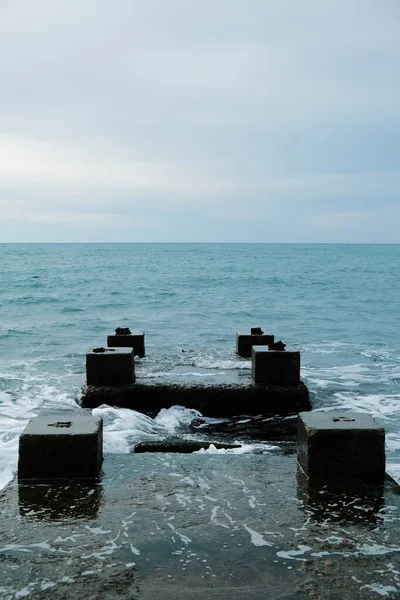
[214, 359]
[210, 362]
[32, 396]
[152, 374]
[123, 428]
[243, 449]
[351, 375]
[294, 554]
[382, 590]
[256, 538]
[176, 417]
[384, 406]
[22, 593]
[191, 374]
[377, 549]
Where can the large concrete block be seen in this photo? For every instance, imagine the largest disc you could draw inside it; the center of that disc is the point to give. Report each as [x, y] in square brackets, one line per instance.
[270, 367]
[61, 446]
[245, 342]
[110, 366]
[131, 340]
[341, 445]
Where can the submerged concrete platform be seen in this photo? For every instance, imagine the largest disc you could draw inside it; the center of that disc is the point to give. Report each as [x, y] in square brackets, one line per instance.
[214, 394]
[198, 526]
[210, 400]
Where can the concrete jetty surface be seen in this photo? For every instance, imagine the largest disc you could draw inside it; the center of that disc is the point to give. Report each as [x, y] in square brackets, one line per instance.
[198, 526]
[214, 392]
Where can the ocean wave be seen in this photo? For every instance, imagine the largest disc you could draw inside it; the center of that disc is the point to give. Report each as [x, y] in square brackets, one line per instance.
[34, 299]
[124, 428]
[242, 449]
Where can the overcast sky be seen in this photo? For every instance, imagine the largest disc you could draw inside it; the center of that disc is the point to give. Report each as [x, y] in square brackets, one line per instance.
[207, 120]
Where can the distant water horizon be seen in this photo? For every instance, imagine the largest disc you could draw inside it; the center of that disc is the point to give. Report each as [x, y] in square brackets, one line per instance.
[337, 303]
[210, 243]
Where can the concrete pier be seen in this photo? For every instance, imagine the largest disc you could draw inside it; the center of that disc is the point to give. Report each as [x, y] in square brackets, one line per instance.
[61, 446]
[211, 400]
[196, 527]
[341, 445]
[274, 367]
[245, 342]
[131, 340]
[213, 392]
[110, 366]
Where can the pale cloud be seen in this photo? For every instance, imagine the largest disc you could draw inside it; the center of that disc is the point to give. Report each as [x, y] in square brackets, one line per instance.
[29, 162]
[175, 120]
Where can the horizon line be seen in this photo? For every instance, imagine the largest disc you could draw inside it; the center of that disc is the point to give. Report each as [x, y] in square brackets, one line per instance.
[207, 243]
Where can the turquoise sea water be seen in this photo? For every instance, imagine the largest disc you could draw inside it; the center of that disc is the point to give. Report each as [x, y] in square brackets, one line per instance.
[338, 304]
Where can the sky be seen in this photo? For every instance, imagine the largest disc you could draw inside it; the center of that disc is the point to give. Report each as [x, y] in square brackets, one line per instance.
[200, 121]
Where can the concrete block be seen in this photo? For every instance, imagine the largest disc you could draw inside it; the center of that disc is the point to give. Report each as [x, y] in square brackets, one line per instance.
[61, 446]
[132, 340]
[270, 367]
[245, 342]
[341, 445]
[110, 366]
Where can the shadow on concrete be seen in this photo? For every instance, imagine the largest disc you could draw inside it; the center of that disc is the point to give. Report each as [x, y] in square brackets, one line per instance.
[54, 501]
[346, 502]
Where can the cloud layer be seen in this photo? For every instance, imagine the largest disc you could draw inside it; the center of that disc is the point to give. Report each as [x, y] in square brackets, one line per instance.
[232, 121]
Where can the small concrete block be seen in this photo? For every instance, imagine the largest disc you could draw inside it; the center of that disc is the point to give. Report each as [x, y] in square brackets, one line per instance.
[61, 446]
[341, 444]
[270, 367]
[110, 366]
[245, 342]
[132, 340]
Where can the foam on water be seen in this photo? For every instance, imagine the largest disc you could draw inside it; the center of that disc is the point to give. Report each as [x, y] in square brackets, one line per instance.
[124, 428]
[218, 360]
[370, 385]
[16, 409]
[194, 363]
[176, 418]
[243, 449]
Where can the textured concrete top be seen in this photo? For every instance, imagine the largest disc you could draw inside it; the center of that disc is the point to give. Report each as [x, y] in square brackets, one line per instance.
[266, 349]
[132, 334]
[338, 420]
[254, 335]
[63, 424]
[116, 350]
[260, 349]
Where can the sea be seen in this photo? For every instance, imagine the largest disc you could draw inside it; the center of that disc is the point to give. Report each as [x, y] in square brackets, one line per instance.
[339, 304]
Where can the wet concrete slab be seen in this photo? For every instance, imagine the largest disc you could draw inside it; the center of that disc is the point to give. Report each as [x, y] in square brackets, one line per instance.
[198, 526]
[187, 374]
[213, 392]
